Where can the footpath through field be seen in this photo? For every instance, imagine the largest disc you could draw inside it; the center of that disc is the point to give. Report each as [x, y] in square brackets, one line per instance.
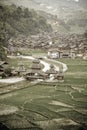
[45, 64]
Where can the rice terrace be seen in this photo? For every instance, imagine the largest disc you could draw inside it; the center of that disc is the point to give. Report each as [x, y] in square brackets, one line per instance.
[47, 105]
[43, 65]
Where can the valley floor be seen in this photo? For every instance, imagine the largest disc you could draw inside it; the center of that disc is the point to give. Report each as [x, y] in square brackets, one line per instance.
[45, 105]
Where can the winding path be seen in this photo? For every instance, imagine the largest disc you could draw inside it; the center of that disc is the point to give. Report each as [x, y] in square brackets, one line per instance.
[46, 67]
[65, 68]
[12, 80]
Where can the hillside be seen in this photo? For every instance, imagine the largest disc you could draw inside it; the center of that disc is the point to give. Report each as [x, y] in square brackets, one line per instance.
[70, 14]
[18, 20]
[24, 21]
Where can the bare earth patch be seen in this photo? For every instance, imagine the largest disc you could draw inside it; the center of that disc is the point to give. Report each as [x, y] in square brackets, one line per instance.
[60, 104]
[7, 109]
[82, 111]
[7, 95]
[12, 80]
[60, 121]
[78, 89]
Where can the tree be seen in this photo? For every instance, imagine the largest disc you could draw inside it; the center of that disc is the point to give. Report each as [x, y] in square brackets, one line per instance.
[3, 54]
[3, 33]
[85, 34]
[27, 13]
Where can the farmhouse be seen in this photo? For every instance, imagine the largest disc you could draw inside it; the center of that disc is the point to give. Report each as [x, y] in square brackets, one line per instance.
[20, 70]
[51, 71]
[68, 54]
[35, 72]
[60, 76]
[54, 53]
[36, 65]
[64, 53]
[53, 74]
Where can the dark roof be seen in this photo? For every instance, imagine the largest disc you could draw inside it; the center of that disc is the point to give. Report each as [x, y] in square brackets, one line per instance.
[3, 63]
[60, 73]
[36, 61]
[1, 66]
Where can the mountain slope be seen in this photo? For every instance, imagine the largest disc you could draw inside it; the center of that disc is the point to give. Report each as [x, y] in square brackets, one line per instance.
[23, 21]
[70, 13]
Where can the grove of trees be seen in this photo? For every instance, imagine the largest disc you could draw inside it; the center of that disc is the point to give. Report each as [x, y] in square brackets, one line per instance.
[18, 20]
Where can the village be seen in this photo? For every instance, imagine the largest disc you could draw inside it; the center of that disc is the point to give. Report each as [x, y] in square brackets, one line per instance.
[39, 70]
[43, 64]
[43, 88]
[55, 46]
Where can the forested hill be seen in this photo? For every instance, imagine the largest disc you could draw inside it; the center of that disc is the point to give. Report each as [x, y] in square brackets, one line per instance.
[24, 21]
[18, 20]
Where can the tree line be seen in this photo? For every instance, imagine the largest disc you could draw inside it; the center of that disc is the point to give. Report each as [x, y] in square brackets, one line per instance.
[18, 20]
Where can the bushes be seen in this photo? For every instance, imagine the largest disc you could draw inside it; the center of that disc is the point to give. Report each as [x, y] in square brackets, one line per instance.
[7, 71]
[2, 53]
[20, 20]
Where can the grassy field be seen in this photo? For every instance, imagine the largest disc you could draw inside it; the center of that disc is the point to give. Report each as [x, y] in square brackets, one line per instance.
[48, 106]
[16, 61]
[34, 52]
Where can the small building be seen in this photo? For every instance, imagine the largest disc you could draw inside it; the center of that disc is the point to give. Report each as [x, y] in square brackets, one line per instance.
[51, 73]
[60, 76]
[35, 72]
[54, 53]
[36, 66]
[68, 54]
[85, 57]
[14, 72]
[20, 70]
[32, 75]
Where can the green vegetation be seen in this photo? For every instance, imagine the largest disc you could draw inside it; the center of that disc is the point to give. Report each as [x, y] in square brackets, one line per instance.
[50, 106]
[19, 20]
[3, 54]
[16, 61]
[85, 34]
[3, 34]
[28, 51]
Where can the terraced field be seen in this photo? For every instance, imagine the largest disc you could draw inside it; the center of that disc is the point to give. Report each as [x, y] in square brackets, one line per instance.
[47, 106]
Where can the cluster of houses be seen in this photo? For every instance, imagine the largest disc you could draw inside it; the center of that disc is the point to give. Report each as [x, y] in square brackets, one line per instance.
[68, 46]
[55, 44]
[37, 73]
[7, 71]
[34, 73]
[56, 53]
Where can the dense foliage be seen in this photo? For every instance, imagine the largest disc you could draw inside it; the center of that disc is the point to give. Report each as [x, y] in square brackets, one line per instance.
[3, 34]
[18, 20]
[24, 21]
[85, 34]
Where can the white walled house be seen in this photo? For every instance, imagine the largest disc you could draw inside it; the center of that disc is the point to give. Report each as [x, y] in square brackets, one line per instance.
[54, 53]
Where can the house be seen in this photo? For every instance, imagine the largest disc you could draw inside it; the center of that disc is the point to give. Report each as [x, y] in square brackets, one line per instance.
[60, 76]
[20, 70]
[54, 53]
[51, 72]
[36, 66]
[35, 72]
[32, 75]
